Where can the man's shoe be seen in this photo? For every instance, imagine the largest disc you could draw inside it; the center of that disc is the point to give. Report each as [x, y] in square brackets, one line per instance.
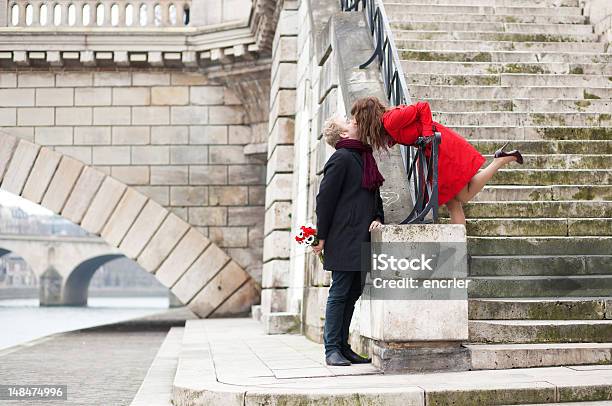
[337, 359]
[355, 358]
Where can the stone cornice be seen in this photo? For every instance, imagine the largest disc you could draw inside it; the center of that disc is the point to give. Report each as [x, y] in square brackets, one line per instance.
[182, 47]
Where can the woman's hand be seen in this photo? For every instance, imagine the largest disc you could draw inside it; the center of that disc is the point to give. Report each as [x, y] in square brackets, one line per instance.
[319, 247]
[374, 224]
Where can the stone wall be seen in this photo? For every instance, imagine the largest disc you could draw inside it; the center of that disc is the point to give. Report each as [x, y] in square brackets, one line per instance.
[175, 136]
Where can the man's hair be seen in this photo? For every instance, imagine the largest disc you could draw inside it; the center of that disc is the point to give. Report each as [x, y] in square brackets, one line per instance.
[331, 130]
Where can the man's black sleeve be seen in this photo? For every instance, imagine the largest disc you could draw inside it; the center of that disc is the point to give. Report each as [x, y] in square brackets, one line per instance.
[329, 190]
[380, 213]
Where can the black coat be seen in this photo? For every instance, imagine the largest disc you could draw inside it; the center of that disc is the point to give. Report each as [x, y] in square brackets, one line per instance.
[345, 211]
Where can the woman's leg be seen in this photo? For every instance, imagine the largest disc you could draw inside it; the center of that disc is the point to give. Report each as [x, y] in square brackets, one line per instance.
[455, 210]
[479, 180]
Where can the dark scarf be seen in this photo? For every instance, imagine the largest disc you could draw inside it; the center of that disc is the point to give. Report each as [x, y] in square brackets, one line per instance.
[372, 178]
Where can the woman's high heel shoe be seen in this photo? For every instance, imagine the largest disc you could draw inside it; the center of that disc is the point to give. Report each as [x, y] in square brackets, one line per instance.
[501, 153]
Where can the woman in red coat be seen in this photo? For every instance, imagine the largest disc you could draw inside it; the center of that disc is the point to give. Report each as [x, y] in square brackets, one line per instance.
[458, 163]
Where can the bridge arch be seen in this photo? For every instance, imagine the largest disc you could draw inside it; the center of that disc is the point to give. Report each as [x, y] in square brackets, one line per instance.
[77, 284]
[196, 270]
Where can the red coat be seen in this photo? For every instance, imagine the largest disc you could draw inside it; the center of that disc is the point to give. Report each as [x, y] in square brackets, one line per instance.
[458, 160]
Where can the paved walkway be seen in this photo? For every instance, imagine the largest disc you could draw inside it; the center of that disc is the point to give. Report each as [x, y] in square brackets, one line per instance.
[102, 365]
[233, 362]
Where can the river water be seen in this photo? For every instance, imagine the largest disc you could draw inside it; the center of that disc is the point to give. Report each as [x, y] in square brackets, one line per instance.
[22, 320]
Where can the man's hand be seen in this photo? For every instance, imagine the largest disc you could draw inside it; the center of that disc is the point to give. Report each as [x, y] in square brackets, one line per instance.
[319, 247]
[375, 224]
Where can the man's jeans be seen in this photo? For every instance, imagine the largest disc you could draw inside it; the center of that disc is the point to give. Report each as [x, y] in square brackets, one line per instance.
[345, 289]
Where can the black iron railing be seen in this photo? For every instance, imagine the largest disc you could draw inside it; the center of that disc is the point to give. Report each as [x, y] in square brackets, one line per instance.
[421, 170]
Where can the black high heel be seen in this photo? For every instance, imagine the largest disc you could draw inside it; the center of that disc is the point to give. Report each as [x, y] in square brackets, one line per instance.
[515, 153]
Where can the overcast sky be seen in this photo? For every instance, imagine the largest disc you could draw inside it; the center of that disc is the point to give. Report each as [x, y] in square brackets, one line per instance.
[9, 199]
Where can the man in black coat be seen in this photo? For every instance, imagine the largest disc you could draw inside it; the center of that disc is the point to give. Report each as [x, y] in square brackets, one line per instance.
[346, 213]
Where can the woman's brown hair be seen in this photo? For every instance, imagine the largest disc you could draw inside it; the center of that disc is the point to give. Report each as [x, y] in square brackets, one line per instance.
[368, 112]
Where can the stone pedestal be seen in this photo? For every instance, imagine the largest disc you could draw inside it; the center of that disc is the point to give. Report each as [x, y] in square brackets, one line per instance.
[413, 330]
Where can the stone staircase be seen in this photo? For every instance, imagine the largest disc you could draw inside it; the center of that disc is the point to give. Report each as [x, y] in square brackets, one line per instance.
[540, 235]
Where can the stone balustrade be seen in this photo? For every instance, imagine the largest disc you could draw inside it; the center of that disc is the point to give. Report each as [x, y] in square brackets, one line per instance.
[105, 13]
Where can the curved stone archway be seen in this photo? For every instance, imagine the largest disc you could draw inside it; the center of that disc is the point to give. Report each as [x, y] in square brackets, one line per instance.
[76, 288]
[197, 271]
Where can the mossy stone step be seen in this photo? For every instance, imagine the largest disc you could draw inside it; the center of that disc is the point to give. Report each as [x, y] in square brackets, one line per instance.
[525, 246]
[527, 28]
[548, 146]
[502, 56]
[537, 227]
[540, 286]
[397, 15]
[505, 356]
[514, 3]
[542, 265]
[483, 68]
[517, 176]
[550, 192]
[521, 105]
[512, 118]
[483, 45]
[563, 161]
[561, 308]
[470, 9]
[540, 331]
[491, 36]
[450, 92]
[575, 210]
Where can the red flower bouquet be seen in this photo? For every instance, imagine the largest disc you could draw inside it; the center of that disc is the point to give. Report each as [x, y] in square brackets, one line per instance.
[308, 235]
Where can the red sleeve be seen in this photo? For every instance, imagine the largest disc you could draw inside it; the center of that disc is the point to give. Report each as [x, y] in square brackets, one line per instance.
[403, 115]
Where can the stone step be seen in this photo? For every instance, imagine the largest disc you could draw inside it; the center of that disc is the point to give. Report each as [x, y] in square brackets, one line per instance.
[537, 227]
[579, 211]
[552, 177]
[491, 36]
[539, 246]
[560, 308]
[521, 105]
[527, 28]
[505, 356]
[515, 3]
[502, 56]
[156, 389]
[547, 147]
[507, 92]
[540, 331]
[397, 14]
[540, 286]
[534, 265]
[469, 9]
[512, 118]
[563, 161]
[535, 134]
[508, 79]
[484, 68]
[550, 192]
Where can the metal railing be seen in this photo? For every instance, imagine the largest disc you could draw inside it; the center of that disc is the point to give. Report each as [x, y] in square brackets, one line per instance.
[421, 170]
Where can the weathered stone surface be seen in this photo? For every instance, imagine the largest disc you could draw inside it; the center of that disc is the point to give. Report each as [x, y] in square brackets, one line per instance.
[181, 257]
[40, 177]
[66, 175]
[240, 302]
[83, 192]
[218, 289]
[124, 215]
[278, 217]
[275, 274]
[143, 228]
[200, 273]
[103, 205]
[162, 243]
[7, 148]
[20, 166]
[276, 245]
